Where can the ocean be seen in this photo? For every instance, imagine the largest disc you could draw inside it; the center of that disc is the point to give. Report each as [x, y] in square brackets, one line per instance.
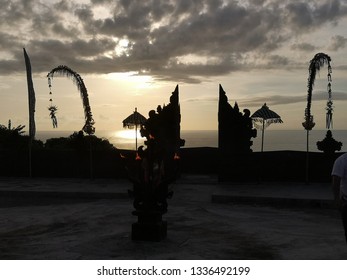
[274, 140]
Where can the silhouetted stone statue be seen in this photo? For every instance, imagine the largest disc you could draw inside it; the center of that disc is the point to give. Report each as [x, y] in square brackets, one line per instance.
[156, 168]
[235, 129]
[329, 145]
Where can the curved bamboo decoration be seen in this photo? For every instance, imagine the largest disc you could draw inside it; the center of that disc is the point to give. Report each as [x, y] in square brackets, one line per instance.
[76, 78]
[315, 64]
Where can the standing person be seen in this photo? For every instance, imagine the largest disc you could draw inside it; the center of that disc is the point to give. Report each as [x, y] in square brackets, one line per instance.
[339, 184]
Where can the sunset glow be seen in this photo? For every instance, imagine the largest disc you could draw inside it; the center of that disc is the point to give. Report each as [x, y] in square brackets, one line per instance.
[128, 134]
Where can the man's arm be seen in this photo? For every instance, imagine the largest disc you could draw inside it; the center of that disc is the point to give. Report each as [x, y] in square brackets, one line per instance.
[336, 180]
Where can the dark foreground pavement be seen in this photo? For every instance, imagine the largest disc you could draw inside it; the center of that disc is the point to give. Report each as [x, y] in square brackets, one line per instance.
[44, 218]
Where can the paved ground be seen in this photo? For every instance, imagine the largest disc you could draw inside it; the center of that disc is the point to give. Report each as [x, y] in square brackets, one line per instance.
[44, 218]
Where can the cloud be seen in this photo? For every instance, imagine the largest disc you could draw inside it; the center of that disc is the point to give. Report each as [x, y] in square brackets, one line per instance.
[202, 99]
[285, 100]
[103, 117]
[306, 47]
[337, 42]
[258, 101]
[306, 16]
[154, 36]
[272, 100]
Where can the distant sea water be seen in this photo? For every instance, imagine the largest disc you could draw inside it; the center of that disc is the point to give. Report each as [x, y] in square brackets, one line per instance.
[274, 140]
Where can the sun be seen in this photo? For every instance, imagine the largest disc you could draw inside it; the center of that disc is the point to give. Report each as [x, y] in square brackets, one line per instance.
[137, 80]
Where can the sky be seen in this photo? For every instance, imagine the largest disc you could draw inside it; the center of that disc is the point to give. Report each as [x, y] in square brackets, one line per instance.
[134, 53]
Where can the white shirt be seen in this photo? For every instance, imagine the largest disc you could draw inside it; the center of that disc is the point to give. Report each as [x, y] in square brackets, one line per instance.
[340, 170]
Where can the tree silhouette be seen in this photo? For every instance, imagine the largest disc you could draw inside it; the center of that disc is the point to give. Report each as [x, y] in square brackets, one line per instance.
[13, 138]
[12, 130]
[68, 72]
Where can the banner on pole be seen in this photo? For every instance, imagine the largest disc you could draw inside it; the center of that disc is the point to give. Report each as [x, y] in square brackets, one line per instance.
[31, 96]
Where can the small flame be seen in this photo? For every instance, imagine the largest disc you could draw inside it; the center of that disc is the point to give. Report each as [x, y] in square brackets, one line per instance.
[151, 136]
[137, 157]
[177, 157]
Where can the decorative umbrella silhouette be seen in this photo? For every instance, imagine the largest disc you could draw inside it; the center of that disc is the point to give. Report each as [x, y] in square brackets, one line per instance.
[266, 117]
[134, 120]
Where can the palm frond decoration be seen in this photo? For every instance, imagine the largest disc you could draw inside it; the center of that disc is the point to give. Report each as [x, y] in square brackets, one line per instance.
[316, 63]
[64, 70]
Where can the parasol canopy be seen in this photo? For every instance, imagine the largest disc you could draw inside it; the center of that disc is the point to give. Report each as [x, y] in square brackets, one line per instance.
[266, 117]
[133, 121]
